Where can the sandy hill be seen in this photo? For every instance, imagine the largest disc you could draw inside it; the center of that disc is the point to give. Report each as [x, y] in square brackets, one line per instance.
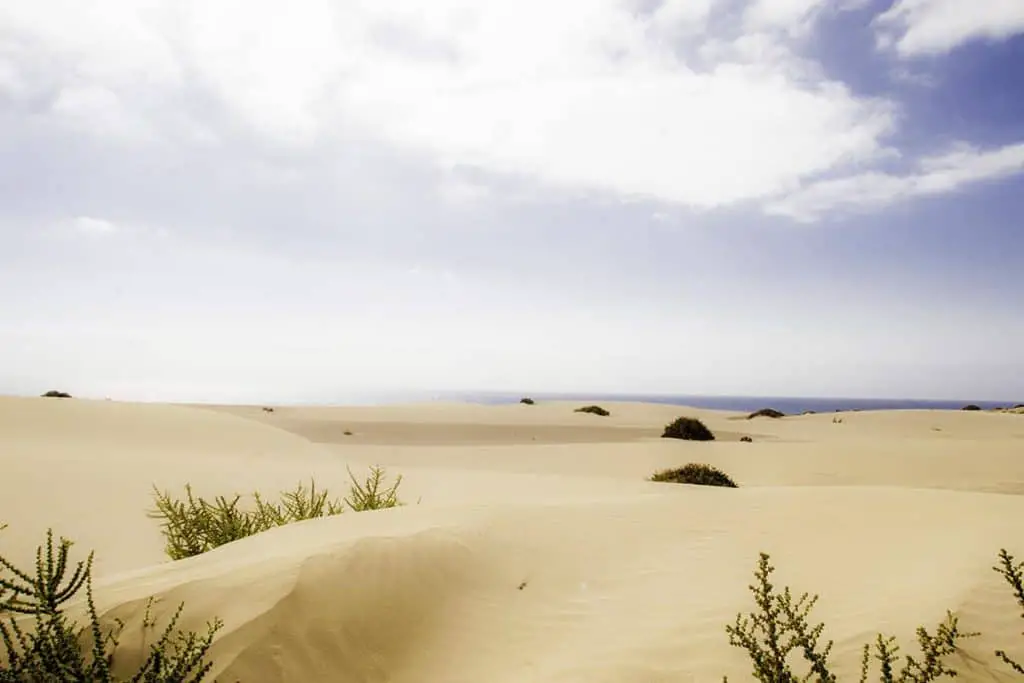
[537, 550]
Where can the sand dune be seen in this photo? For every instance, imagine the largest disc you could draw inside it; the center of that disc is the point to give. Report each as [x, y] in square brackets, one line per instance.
[537, 551]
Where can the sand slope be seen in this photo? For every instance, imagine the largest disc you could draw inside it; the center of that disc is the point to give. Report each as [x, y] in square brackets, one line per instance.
[547, 560]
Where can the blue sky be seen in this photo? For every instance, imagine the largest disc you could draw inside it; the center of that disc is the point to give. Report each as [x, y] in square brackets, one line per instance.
[216, 200]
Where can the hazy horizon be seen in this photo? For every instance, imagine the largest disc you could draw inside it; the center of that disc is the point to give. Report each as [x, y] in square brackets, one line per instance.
[215, 201]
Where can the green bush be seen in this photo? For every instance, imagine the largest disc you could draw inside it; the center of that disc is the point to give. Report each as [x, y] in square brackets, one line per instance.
[766, 412]
[593, 410]
[695, 473]
[688, 428]
[195, 525]
[41, 645]
[779, 631]
[527, 401]
[971, 406]
[1013, 573]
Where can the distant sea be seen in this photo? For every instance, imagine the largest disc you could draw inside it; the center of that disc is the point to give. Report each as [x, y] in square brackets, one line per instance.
[787, 404]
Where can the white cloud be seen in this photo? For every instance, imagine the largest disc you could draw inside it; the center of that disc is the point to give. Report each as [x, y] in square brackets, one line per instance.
[582, 94]
[871, 190]
[693, 103]
[93, 226]
[922, 27]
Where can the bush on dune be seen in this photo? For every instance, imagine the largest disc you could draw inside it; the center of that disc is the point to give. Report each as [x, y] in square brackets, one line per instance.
[527, 401]
[41, 644]
[195, 525]
[56, 394]
[593, 410]
[695, 473]
[971, 406]
[766, 412]
[689, 429]
[780, 631]
[1013, 573]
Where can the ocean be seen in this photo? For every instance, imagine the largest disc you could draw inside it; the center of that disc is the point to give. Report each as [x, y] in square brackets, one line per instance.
[787, 404]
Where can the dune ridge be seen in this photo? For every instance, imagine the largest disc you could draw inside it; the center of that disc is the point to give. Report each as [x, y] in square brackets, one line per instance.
[549, 560]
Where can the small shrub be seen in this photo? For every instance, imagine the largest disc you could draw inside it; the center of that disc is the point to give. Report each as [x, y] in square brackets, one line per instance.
[372, 495]
[195, 525]
[593, 410]
[1013, 572]
[56, 394]
[695, 473]
[746, 439]
[527, 401]
[971, 406]
[780, 629]
[56, 648]
[766, 412]
[688, 428]
[267, 409]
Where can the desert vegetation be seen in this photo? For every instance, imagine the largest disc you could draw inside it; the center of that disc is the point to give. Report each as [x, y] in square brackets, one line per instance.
[971, 406]
[779, 631]
[746, 439]
[766, 412]
[687, 428]
[41, 644]
[695, 473]
[593, 410]
[527, 401]
[195, 525]
[53, 393]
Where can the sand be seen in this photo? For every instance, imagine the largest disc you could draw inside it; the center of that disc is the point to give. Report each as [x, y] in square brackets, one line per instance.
[533, 548]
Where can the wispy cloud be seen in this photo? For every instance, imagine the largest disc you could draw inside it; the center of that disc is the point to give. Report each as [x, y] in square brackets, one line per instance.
[872, 190]
[928, 27]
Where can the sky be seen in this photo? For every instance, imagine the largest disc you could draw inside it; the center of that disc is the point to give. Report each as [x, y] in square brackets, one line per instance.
[228, 200]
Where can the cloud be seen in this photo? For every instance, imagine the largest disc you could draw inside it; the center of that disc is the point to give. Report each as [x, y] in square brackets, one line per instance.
[928, 27]
[93, 226]
[871, 190]
[700, 104]
[583, 95]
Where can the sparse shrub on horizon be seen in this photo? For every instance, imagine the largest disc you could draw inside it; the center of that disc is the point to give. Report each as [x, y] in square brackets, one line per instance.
[593, 410]
[746, 439]
[527, 401]
[195, 525]
[780, 630]
[42, 645]
[766, 412]
[971, 406]
[695, 473]
[687, 428]
[53, 393]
